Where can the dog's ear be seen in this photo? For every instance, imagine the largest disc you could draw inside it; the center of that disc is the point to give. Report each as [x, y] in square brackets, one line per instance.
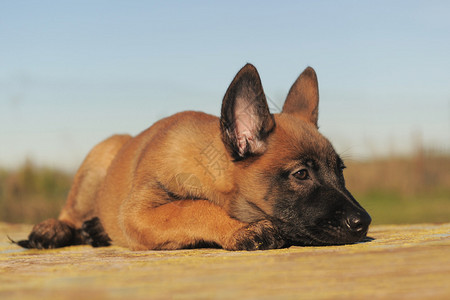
[303, 97]
[245, 120]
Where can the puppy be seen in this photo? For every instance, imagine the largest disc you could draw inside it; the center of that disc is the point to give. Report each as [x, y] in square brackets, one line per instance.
[245, 181]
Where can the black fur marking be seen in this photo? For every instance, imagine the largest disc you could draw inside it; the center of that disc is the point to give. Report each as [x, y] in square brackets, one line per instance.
[260, 235]
[22, 243]
[202, 244]
[94, 234]
[51, 234]
[314, 212]
[245, 100]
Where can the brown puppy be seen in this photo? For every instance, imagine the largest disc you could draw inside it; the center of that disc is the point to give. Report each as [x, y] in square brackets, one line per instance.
[247, 180]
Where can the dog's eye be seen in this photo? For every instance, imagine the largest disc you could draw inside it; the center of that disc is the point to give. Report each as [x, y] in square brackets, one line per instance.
[302, 174]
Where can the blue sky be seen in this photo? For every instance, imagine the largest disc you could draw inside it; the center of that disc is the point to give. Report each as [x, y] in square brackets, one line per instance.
[74, 72]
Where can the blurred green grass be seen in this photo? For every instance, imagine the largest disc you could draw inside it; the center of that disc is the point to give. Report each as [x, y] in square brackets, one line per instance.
[31, 194]
[403, 190]
[394, 190]
[393, 208]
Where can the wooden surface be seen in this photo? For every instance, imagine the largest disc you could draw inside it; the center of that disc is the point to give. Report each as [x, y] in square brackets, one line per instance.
[403, 262]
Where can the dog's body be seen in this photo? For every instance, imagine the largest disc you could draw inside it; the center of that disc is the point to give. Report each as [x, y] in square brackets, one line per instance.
[249, 180]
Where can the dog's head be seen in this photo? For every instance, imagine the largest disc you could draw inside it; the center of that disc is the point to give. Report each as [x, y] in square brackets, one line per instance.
[286, 171]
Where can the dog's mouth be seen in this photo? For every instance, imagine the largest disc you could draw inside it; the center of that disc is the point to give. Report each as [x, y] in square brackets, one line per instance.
[326, 240]
[324, 236]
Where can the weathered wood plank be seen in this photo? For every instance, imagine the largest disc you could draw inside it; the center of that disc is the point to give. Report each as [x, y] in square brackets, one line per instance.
[411, 261]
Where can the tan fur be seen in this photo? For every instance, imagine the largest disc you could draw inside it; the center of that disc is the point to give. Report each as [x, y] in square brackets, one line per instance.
[131, 189]
[80, 204]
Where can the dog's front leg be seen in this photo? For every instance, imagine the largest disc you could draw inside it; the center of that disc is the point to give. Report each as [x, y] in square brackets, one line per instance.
[261, 235]
[184, 223]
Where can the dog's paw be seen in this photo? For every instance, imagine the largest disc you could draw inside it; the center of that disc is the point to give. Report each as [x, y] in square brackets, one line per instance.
[49, 234]
[261, 235]
[94, 234]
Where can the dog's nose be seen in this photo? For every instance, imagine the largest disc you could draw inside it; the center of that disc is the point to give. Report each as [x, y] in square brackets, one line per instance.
[358, 223]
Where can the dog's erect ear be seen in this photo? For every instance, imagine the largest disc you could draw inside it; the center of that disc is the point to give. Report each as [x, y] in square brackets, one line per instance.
[303, 97]
[245, 120]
